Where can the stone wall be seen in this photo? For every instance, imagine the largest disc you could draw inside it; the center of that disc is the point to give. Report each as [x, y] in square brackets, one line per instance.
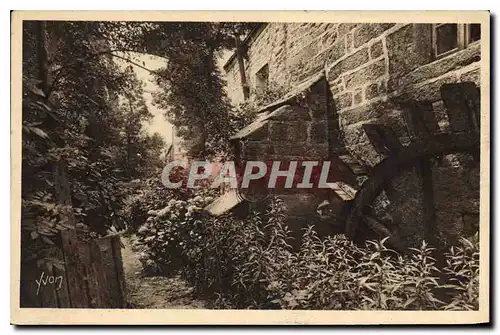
[387, 65]
[288, 50]
[297, 130]
[368, 66]
[372, 70]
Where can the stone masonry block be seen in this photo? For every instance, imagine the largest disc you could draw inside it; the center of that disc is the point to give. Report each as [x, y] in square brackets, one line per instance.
[376, 50]
[349, 43]
[371, 91]
[336, 51]
[368, 73]
[427, 90]
[354, 135]
[358, 96]
[256, 150]
[406, 52]
[366, 32]
[290, 113]
[344, 28]
[306, 52]
[349, 63]
[365, 112]
[435, 69]
[374, 90]
[474, 76]
[343, 101]
[366, 154]
[328, 38]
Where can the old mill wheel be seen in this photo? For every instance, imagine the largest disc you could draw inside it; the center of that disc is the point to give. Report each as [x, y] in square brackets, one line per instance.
[420, 157]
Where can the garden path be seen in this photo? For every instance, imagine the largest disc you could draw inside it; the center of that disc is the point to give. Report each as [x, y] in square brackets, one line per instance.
[153, 291]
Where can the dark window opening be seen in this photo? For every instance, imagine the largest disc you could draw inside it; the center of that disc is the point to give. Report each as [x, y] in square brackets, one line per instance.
[262, 79]
[448, 38]
[474, 32]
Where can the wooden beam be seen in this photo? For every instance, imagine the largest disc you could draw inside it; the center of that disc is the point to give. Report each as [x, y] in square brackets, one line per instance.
[241, 66]
[420, 120]
[120, 274]
[393, 165]
[382, 138]
[421, 125]
[424, 171]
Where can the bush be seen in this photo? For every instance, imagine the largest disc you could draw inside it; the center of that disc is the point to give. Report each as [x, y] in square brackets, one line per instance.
[250, 264]
[462, 267]
[171, 233]
[150, 194]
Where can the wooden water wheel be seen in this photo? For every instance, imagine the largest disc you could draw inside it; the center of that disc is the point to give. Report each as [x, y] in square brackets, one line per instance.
[419, 156]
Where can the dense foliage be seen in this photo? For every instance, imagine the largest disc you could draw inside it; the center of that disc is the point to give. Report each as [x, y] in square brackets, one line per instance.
[193, 96]
[250, 264]
[86, 157]
[245, 112]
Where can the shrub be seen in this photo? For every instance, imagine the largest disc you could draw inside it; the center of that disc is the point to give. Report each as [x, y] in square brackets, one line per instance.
[462, 265]
[171, 233]
[150, 194]
[250, 264]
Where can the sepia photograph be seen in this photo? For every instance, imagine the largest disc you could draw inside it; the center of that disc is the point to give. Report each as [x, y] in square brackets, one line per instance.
[216, 162]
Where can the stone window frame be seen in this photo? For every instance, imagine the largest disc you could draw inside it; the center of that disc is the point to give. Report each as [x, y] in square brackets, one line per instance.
[463, 38]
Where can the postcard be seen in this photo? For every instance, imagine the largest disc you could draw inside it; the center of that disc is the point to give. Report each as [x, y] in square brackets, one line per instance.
[250, 168]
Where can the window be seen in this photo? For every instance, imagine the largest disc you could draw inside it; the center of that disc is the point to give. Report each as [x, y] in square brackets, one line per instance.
[262, 79]
[445, 38]
[448, 38]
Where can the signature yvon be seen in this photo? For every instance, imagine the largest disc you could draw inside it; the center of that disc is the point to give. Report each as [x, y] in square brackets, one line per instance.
[52, 280]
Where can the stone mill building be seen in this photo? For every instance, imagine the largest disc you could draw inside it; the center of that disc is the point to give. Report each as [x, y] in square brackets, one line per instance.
[341, 77]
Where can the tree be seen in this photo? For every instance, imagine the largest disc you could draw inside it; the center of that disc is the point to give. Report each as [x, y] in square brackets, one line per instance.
[83, 114]
[192, 94]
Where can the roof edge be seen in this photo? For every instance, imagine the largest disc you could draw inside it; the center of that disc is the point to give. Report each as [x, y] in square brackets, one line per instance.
[266, 112]
[290, 96]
